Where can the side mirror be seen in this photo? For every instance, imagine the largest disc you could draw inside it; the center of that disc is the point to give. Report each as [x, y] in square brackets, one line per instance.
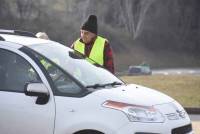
[39, 90]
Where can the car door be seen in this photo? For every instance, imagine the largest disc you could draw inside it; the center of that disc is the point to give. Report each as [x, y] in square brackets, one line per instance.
[19, 113]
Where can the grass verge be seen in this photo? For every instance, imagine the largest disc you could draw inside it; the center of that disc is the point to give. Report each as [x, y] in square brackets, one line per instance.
[183, 88]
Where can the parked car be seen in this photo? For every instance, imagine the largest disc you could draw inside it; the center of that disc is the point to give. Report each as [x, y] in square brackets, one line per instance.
[143, 69]
[48, 88]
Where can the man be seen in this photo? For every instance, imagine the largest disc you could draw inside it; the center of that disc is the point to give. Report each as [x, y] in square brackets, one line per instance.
[96, 48]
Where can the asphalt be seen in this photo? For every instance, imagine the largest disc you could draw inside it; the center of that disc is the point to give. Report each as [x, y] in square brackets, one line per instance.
[195, 117]
[177, 71]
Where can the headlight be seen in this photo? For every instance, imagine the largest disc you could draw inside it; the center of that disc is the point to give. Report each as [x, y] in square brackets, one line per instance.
[179, 112]
[136, 113]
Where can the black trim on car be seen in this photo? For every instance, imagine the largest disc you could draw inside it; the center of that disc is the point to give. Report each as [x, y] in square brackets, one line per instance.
[17, 32]
[12, 91]
[2, 39]
[183, 129]
[30, 52]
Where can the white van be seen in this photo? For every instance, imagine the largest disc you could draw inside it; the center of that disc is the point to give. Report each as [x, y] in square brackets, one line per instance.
[47, 88]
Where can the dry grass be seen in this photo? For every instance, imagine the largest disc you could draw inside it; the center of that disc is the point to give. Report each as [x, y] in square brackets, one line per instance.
[184, 88]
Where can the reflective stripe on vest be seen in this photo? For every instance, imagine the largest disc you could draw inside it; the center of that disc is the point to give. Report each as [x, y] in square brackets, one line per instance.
[97, 52]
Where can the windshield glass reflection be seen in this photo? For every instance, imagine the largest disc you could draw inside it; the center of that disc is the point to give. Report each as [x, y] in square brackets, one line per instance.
[75, 64]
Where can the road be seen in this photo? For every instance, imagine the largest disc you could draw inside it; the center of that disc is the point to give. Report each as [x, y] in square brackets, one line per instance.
[178, 71]
[166, 71]
[196, 127]
[195, 122]
[195, 117]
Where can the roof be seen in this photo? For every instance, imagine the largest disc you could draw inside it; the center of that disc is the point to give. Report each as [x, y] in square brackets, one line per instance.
[23, 40]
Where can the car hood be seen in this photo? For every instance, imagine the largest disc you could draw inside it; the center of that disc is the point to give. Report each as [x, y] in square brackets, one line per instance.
[134, 94]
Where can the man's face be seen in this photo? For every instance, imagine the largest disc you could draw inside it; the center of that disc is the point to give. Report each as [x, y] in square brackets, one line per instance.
[87, 36]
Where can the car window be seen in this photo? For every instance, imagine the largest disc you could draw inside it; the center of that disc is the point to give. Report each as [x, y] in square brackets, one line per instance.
[15, 72]
[67, 59]
[62, 82]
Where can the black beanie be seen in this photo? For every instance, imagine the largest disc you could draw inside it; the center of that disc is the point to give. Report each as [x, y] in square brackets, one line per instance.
[90, 24]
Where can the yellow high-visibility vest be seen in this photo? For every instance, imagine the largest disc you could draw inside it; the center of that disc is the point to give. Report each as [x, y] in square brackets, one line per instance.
[45, 64]
[97, 52]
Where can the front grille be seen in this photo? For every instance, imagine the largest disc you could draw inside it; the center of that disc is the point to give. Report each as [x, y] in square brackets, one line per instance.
[182, 130]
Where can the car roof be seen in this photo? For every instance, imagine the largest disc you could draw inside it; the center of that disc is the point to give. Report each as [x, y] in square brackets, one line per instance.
[19, 41]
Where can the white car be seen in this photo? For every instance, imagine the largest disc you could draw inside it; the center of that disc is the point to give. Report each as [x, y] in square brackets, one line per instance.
[47, 88]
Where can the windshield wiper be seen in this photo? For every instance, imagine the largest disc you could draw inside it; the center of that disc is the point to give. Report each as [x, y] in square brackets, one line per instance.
[96, 86]
[104, 85]
[113, 83]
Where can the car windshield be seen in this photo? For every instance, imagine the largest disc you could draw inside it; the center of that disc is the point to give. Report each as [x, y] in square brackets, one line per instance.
[75, 64]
